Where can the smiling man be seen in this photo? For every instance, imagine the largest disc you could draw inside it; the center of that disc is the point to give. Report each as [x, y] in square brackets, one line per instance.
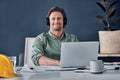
[46, 47]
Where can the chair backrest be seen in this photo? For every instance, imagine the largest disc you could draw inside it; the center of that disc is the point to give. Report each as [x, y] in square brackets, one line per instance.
[28, 51]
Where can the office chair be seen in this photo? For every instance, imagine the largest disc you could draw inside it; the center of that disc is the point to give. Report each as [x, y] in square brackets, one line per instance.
[28, 51]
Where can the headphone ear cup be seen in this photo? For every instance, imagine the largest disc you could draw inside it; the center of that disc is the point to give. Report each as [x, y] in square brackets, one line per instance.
[65, 21]
[47, 21]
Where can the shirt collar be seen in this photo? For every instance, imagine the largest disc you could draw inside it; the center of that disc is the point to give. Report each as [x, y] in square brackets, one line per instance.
[55, 36]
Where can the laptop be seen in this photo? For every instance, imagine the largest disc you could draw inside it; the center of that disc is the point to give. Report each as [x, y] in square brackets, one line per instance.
[78, 54]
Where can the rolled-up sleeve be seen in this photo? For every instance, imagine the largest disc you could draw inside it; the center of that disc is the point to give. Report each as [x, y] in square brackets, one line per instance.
[37, 49]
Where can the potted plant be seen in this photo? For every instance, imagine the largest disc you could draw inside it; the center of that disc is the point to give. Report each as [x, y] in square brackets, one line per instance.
[109, 38]
[109, 10]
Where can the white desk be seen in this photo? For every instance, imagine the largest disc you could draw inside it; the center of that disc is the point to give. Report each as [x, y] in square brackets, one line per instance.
[68, 75]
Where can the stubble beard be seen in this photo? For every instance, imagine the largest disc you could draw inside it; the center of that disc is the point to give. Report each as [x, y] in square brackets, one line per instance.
[57, 28]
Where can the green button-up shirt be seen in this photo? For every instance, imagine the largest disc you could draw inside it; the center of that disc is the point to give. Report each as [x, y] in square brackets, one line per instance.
[48, 45]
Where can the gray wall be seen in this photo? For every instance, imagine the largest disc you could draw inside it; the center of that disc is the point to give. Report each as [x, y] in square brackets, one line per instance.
[26, 18]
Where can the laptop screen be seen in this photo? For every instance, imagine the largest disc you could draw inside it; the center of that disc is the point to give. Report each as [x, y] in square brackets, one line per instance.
[78, 54]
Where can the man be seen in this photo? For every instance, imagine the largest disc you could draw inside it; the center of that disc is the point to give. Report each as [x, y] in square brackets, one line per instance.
[46, 47]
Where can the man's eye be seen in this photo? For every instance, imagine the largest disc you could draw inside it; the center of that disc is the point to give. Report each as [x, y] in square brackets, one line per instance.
[59, 18]
[52, 18]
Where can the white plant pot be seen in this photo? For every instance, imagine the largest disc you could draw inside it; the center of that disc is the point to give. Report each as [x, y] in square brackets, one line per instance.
[109, 41]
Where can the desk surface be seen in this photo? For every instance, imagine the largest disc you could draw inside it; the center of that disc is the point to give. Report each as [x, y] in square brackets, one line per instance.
[67, 75]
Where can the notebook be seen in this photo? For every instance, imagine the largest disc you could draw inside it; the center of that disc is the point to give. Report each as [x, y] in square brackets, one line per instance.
[78, 54]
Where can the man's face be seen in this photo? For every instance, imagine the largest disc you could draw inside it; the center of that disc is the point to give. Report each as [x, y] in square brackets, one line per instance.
[56, 21]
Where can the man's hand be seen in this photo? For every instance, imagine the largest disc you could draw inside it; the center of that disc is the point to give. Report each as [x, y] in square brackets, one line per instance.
[45, 61]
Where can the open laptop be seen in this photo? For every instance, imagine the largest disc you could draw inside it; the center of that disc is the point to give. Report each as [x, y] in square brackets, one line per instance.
[78, 54]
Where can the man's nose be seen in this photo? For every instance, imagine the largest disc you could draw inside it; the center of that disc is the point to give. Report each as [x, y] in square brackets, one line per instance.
[56, 20]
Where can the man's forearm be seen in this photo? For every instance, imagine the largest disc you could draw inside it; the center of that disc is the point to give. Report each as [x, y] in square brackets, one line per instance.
[45, 61]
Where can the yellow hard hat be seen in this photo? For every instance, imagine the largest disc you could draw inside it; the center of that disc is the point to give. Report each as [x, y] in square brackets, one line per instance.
[6, 67]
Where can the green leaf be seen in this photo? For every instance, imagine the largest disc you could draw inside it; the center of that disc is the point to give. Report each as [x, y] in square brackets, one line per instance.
[111, 12]
[101, 6]
[102, 19]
